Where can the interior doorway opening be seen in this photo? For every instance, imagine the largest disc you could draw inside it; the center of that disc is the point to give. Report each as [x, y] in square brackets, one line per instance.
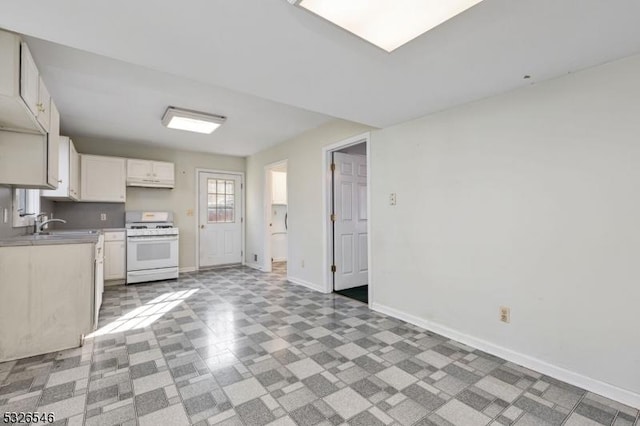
[277, 218]
[349, 237]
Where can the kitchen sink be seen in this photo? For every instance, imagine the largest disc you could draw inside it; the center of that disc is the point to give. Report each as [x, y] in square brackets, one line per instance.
[61, 235]
[49, 236]
[72, 232]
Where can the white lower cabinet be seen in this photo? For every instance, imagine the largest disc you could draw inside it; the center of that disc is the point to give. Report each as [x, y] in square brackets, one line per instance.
[103, 179]
[115, 255]
[47, 296]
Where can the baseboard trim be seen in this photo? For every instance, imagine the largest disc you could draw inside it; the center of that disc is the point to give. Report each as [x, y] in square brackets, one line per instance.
[187, 269]
[254, 266]
[605, 389]
[304, 283]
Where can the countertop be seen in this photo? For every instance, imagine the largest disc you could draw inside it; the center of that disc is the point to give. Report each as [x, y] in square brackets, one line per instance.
[58, 237]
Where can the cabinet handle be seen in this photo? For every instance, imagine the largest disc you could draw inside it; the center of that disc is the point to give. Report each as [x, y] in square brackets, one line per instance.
[60, 181]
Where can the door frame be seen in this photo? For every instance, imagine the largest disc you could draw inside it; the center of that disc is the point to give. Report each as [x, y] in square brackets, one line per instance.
[266, 199]
[197, 211]
[327, 240]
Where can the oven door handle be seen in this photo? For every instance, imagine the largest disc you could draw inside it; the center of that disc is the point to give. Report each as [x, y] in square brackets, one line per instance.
[152, 238]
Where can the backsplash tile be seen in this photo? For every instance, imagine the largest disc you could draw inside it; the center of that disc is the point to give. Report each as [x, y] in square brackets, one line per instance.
[87, 215]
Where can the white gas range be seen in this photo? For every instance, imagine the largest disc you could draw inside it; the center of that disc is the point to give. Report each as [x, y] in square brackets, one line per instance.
[152, 246]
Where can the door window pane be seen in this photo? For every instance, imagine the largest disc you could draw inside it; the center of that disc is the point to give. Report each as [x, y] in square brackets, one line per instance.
[221, 201]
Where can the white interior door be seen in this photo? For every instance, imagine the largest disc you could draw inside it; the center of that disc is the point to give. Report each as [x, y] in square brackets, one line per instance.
[350, 226]
[220, 219]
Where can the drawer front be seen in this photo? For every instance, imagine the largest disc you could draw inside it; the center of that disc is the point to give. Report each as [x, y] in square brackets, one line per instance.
[114, 236]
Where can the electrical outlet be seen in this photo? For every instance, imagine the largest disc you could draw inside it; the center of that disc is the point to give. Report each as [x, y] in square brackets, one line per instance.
[505, 314]
[189, 212]
[255, 257]
[393, 199]
[103, 216]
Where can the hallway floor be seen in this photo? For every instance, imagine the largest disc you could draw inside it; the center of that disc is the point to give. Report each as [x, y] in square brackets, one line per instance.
[360, 294]
[237, 346]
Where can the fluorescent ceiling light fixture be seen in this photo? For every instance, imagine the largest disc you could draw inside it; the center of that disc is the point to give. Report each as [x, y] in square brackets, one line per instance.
[387, 24]
[191, 121]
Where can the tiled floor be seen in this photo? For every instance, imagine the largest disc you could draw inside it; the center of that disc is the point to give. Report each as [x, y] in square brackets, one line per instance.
[238, 346]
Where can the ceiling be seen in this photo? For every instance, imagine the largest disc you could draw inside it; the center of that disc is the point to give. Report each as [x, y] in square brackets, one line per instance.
[268, 57]
[106, 98]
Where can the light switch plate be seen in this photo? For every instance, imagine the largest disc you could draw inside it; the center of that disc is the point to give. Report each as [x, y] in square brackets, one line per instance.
[5, 215]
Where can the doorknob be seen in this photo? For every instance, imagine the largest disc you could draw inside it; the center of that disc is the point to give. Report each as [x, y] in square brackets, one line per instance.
[201, 226]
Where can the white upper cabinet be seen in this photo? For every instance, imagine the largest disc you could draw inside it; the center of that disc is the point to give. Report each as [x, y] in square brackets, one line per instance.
[102, 179]
[24, 98]
[139, 171]
[68, 176]
[44, 106]
[153, 174]
[74, 172]
[29, 80]
[53, 146]
[29, 120]
[164, 173]
[279, 187]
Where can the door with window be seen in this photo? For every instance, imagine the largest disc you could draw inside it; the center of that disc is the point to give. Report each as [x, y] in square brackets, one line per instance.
[220, 219]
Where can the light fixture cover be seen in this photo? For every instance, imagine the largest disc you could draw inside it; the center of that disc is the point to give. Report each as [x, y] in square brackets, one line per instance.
[191, 121]
[387, 24]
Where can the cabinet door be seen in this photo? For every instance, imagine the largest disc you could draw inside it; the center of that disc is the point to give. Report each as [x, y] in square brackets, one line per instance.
[63, 171]
[74, 172]
[114, 260]
[163, 172]
[139, 170]
[29, 79]
[44, 106]
[102, 179]
[53, 155]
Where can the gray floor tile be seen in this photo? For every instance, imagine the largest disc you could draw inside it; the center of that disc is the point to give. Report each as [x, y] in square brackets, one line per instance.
[199, 403]
[255, 412]
[57, 393]
[151, 401]
[597, 414]
[543, 412]
[252, 348]
[143, 369]
[307, 415]
[365, 419]
[319, 385]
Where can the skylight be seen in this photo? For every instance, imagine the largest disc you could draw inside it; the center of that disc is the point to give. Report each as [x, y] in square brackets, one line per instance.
[387, 24]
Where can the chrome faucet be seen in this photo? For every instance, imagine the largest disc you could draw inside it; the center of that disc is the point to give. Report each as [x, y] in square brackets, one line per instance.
[39, 226]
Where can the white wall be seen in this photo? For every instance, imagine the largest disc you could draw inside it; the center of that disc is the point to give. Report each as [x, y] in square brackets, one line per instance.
[182, 198]
[304, 197]
[529, 200]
